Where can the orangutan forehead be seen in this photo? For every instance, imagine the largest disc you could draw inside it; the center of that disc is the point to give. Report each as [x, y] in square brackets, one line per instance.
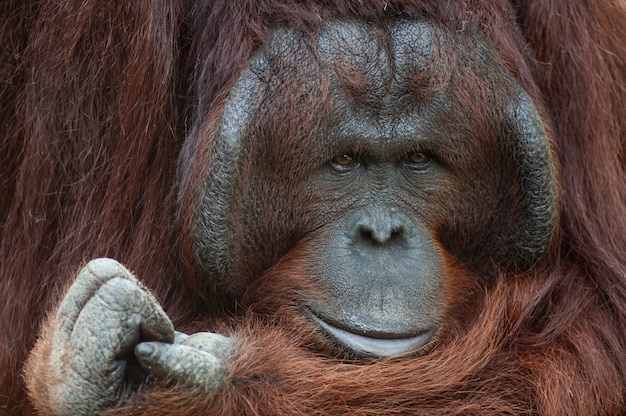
[372, 63]
[392, 82]
[384, 56]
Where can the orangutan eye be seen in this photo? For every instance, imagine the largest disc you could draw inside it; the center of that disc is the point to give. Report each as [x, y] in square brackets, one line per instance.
[345, 162]
[417, 160]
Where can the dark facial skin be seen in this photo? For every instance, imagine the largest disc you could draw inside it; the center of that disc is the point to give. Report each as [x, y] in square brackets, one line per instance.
[359, 143]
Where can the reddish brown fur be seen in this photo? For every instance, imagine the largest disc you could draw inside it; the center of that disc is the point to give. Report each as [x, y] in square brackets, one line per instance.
[90, 139]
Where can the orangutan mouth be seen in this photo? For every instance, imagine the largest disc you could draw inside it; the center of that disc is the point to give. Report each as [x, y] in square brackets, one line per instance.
[371, 343]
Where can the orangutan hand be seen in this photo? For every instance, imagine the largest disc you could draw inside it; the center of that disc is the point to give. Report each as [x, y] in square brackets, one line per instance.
[109, 336]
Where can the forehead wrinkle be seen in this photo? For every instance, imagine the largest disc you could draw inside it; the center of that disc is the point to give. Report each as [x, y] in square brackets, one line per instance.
[376, 71]
[388, 66]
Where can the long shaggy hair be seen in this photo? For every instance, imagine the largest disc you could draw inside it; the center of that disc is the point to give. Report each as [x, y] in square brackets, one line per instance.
[96, 99]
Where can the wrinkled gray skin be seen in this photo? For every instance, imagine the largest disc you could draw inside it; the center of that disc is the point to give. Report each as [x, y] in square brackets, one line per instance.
[107, 317]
